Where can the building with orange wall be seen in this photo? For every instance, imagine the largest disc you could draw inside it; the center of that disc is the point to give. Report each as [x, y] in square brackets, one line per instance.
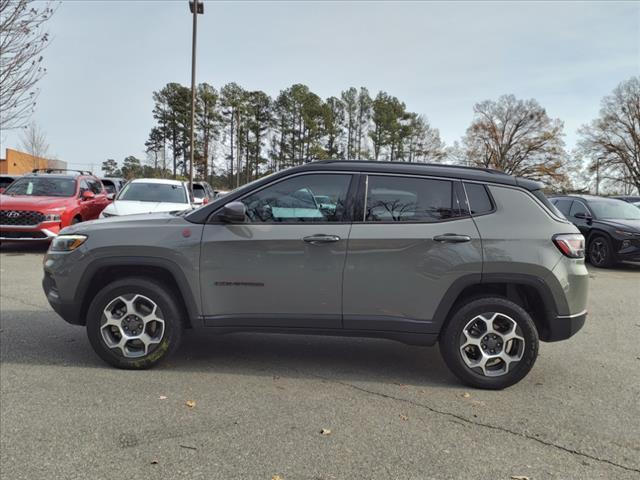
[19, 163]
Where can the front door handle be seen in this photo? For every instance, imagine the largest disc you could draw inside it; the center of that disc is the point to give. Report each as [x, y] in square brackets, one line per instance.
[452, 238]
[321, 238]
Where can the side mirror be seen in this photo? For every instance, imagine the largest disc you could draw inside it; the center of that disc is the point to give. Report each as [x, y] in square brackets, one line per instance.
[233, 212]
[88, 195]
[582, 216]
[111, 196]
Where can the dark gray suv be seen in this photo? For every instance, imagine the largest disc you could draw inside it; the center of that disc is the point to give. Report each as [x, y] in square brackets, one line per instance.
[474, 259]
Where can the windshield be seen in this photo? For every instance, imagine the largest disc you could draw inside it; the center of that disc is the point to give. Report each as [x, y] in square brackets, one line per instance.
[153, 192]
[614, 210]
[43, 187]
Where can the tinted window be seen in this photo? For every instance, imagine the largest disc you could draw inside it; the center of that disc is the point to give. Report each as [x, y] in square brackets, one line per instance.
[304, 198]
[95, 186]
[479, 200]
[153, 192]
[578, 207]
[199, 191]
[564, 205]
[109, 186]
[43, 186]
[404, 199]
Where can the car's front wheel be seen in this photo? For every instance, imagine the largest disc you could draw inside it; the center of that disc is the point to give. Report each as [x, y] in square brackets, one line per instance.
[134, 323]
[490, 342]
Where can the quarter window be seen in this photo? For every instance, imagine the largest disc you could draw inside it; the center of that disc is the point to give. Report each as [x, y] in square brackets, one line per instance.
[479, 200]
[406, 199]
[302, 199]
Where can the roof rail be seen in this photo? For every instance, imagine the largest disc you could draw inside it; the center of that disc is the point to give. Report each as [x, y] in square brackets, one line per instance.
[60, 170]
[387, 162]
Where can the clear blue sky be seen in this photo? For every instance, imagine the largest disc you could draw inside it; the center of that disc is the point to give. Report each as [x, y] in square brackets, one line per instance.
[107, 57]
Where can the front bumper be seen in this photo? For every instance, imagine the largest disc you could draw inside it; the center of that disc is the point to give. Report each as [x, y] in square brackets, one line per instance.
[564, 326]
[38, 233]
[70, 312]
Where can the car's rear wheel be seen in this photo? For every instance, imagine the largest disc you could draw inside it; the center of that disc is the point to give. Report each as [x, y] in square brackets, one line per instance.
[490, 342]
[134, 323]
[600, 252]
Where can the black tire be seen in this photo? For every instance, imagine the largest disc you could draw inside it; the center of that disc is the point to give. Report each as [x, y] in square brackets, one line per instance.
[452, 333]
[154, 291]
[600, 251]
[75, 220]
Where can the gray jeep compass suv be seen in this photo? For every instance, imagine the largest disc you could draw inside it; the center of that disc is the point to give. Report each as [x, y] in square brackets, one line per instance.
[474, 259]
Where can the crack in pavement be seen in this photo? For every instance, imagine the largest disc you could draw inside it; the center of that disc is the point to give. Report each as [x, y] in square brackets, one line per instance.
[39, 307]
[480, 424]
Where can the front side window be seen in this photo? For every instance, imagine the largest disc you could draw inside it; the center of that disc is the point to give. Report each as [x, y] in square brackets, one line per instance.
[153, 192]
[564, 206]
[109, 186]
[43, 186]
[95, 186]
[578, 207]
[405, 199]
[302, 199]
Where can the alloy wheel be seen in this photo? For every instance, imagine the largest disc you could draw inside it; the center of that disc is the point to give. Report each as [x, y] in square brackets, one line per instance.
[491, 344]
[133, 325]
[598, 252]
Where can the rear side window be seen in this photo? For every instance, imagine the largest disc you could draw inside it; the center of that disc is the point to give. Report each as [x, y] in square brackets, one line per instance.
[405, 199]
[479, 199]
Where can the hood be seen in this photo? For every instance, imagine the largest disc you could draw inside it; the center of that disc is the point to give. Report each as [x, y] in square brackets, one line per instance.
[125, 221]
[130, 207]
[628, 225]
[30, 202]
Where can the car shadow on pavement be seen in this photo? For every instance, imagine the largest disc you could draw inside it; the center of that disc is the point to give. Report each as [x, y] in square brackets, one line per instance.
[14, 248]
[250, 354]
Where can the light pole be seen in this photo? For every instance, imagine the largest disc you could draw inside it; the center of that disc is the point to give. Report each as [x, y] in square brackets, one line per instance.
[195, 7]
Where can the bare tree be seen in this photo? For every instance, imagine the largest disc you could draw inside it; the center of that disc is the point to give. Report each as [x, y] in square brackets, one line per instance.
[517, 137]
[612, 141]
[34, 141]
[22, 41]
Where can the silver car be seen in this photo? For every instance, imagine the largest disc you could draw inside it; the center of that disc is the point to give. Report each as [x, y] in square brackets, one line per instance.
[475, 260]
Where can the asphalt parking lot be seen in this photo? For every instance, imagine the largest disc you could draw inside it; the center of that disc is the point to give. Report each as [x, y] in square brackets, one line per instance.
[260, 402]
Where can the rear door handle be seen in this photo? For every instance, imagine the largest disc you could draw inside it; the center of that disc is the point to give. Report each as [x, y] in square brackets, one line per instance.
[321, 238]
[452, 238]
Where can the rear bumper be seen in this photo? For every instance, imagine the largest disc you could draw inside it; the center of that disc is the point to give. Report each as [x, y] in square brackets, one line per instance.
[565, 326]
[28, 234]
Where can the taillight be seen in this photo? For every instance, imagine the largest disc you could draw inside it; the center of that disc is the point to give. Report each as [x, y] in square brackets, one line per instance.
[570, 244]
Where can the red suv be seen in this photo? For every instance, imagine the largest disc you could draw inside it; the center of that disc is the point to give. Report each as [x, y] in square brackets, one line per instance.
[37, 206]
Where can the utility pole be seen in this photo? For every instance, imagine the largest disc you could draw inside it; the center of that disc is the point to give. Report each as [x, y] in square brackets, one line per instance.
[195, 7]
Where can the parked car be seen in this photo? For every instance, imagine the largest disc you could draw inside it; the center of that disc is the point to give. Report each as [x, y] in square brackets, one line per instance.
[113, 185]
[202, 193]
[150, 195]
[37, 206]
[476, 260]
[610, 226]
[219, 193]
[6, 180]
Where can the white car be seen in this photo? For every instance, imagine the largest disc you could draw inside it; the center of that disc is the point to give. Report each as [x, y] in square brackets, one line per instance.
[150, 195]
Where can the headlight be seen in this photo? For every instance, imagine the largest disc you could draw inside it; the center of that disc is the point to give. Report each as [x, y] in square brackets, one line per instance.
[624, 233]
[67, 243]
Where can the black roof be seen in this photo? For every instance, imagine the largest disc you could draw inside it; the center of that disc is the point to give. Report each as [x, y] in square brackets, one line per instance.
[431, 169]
